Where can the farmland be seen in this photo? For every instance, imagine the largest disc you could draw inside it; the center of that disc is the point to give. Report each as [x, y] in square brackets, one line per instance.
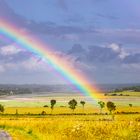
[23, 118]
[81, 127]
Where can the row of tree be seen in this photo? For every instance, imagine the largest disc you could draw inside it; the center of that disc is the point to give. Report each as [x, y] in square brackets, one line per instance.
[73, 104]
[110, 106]
[132, 88]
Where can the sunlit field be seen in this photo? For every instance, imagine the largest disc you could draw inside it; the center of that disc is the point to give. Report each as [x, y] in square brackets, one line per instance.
[28, 119]
[92, 127]
[65, 110]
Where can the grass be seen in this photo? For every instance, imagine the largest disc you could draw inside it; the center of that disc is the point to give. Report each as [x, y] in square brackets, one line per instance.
[65, 110]
[64, 125]
[73, 127]
[70, 127]
[15, 103]
[126, 93]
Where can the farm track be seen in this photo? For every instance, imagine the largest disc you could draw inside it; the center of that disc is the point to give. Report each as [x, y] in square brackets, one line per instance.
[4, 135]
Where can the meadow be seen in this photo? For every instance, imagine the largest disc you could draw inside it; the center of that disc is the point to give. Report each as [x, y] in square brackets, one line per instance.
[23, 119]
[92, 127]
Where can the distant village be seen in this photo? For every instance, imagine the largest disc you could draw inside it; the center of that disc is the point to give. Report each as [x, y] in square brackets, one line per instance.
[4, 91]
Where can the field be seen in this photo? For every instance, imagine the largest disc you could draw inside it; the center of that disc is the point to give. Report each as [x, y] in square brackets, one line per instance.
[91, 127]
[23, 119]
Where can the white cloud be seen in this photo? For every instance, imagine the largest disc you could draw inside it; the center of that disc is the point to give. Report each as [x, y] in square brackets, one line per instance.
[31, 63]
[118, 49]
[115, 47]
[123, 54]
[34, 64]
[9, 50]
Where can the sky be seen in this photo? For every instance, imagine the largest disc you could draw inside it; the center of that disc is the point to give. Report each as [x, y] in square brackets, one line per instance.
[101, 39]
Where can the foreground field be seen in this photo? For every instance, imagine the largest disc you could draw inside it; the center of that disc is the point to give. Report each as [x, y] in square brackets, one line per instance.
[27, 119]
[91, 127]
[27, 123]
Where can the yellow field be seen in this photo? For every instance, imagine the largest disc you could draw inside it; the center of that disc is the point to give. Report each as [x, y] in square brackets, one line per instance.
[70, 127]
[90, 127]
[65, 110]
[25, 122]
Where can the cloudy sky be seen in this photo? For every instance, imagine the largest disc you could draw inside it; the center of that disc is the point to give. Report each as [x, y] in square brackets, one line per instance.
[101, 38]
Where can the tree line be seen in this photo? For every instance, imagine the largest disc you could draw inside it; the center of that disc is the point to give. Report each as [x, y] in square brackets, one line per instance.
[73, 104]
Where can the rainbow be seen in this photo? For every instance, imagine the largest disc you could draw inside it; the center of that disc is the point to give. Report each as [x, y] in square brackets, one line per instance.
[44, 51]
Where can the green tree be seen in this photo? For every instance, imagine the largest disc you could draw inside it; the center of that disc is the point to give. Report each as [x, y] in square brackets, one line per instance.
[102, 105]
[111, 106]
[83, 104]
[53, 102]
[130, 105]
[43, 113]
[1, 108]
[72, 104]
[16, 111]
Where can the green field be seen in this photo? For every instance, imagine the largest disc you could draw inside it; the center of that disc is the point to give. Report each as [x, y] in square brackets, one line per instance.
[40, 101]
[126, 93]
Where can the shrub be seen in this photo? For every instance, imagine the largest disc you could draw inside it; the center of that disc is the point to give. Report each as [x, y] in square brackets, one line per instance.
[45, 106]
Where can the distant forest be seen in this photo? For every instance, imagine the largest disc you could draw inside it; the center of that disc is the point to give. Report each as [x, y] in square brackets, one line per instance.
[133, 88]
[14, 91]
[28, 89]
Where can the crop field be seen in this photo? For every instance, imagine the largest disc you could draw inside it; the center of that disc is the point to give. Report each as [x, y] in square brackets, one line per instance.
[65, 110]
[91, 127]
[28, 119]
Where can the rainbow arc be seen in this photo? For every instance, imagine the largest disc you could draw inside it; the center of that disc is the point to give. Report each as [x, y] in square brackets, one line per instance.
[44, 51]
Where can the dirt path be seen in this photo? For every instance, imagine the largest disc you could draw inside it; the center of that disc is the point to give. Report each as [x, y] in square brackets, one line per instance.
[4, 135]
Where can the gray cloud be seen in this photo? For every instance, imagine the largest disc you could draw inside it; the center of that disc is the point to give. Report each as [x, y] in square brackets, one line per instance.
[110, 63]
[94, 54]
[7, 13]
[76, 49]
[42, 27]
[132, 59]
[103, 62]
[86, 33]
[111, 54]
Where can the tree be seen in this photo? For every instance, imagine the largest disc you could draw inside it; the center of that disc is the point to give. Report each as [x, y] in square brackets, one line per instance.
[43, 113]
[1, 108]
[53, 102]
[16, 111]
[102, 105]
[130, 105]
[72, 104]
[111, 106]
[45, 106]
[83, 104]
